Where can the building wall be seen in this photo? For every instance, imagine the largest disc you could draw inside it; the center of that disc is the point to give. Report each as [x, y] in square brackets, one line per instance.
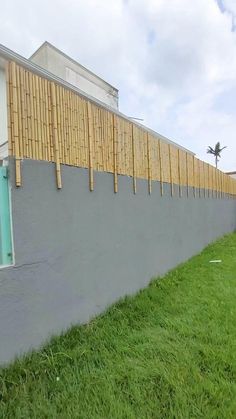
[62, 66]
[77, 251]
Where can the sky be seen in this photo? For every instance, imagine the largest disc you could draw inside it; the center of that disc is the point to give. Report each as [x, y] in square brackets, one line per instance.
[174, 62]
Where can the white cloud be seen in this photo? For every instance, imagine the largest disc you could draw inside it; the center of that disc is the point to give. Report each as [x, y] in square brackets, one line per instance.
[230, 6]
[172, 60]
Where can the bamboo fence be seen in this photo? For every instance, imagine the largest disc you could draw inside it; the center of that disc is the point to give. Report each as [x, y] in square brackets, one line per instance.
[48, 122]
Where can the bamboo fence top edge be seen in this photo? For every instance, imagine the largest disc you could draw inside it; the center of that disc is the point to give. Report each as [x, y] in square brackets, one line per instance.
[10, 55]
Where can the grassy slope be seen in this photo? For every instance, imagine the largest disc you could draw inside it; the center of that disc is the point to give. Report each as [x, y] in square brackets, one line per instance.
[168, 352]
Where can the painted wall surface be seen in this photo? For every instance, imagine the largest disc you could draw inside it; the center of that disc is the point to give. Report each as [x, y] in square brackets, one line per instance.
[62, 66]
[78, 251]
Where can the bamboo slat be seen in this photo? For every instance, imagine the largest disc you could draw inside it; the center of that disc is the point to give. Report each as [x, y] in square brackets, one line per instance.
[174, 165]
[90, 145]
[187, 174]
[15, 126]
[19, 111]
[209, 180]
[9, 101]
[115, 153]
[194, 177]
[160, 164]
[149, 165]
[198, 177]
[171, 178]
[179, 172]
[134, 161]
[55, 136]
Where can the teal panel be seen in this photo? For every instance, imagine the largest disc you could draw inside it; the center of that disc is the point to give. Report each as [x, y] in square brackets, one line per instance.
[5, 220]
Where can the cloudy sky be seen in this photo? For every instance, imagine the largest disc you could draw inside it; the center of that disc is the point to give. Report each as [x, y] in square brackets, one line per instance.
[174, 62]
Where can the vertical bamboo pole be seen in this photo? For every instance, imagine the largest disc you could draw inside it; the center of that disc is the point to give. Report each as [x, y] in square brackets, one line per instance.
[223, 185]
[27, 119]
[199, 178]
[179, 175]
[9, 122]
[90, 144]
[38, 118]
[23, 110]
[69, 125]
[50, 123]
[216, 182]
[55, 135]
[65, 117]
[220, 181]
[220, 184]
[194, 179]
[29, 115]
[160, 162]
[171, 177]
[204, 180]
[216, 194]
[58, 110]
[114, 136]
[149, 165]
[133, 161]
[77, 128]
[33, 107]
[16, 126]
[217, 186]
[73, 133]
[36, 136]
[48, 152]
[208, 171]
[44, 98]
[108, 136]
[19, 112]
[226, 186]
[187, 177]
[68, 137]
[11, 110]
[212, 182]
[103, 154]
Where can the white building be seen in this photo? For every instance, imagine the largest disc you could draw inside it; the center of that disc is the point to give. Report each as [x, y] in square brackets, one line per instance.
[52, 59]
[232, 174]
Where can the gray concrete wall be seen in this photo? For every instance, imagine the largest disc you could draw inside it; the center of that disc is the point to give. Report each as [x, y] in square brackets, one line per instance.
[78, 251]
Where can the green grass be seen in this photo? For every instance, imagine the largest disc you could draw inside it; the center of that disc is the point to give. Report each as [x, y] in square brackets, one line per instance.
[168, 352]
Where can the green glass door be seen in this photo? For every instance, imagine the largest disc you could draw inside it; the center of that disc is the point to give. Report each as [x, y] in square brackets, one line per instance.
[5, 220]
